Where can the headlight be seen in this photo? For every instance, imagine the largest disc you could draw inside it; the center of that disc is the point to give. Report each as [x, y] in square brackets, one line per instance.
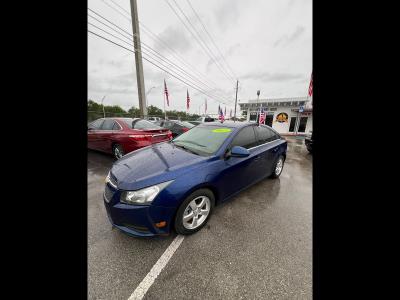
[143, 196]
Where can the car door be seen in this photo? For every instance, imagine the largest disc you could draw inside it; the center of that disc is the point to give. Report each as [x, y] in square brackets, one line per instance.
[105, 135]
[267, 149]
[239, 172]
[93, 134]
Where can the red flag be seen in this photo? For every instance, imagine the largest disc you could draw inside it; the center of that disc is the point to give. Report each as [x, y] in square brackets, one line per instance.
[187, 100]
[261, 119]
[310, 88]
[166, 92]
[221, 115]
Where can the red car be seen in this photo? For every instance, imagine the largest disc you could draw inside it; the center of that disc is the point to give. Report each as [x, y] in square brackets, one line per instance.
[120, 136]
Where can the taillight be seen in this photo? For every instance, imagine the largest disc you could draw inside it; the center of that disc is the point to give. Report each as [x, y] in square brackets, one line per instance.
[184, 129]
[169, 135]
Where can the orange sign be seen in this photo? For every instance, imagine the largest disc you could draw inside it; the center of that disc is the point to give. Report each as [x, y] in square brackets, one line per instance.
[282, 117]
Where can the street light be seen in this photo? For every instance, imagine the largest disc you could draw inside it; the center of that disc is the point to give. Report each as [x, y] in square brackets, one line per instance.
[149, 90]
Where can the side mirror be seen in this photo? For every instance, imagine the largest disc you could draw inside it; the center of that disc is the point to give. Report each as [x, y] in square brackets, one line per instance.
[238, 151]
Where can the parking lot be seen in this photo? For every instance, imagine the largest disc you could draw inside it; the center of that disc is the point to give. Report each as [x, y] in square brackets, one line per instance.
[257, 245]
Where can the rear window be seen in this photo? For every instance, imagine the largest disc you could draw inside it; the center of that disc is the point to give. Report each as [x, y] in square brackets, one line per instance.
[140, 124]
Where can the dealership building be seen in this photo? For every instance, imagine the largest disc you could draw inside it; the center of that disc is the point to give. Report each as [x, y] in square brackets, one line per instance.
[285, 115]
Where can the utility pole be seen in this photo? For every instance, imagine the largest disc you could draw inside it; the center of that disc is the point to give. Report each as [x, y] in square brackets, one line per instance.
[138, 59]
[104, 113]
[237, 84]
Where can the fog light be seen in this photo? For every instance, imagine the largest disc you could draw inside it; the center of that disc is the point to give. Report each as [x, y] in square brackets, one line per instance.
[161, 224]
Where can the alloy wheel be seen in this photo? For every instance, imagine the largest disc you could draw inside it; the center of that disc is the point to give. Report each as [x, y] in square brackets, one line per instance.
[279, 166]
[196, 212]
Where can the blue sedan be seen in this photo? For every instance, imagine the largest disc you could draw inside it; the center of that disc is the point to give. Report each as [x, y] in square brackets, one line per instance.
[176, 184]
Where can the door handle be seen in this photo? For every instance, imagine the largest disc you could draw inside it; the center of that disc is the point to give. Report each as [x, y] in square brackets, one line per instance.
[275, 150]
[257, 158]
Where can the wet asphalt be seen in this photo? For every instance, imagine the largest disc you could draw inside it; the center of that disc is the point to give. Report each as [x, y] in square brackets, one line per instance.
[258, 245]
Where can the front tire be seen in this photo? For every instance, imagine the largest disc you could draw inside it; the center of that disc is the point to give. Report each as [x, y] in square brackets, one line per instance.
[118, 152]
[194, 212]
[278, 167]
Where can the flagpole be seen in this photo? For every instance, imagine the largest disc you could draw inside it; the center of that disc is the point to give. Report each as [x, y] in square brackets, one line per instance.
[165, 113]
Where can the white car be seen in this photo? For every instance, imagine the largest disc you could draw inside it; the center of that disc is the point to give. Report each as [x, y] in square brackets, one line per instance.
[153, 119]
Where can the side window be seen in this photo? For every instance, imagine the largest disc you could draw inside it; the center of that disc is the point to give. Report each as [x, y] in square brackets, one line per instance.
[96, 124]
[245, 138]
[108, 124]
[168, 124]
[265, 134]
[116, 126]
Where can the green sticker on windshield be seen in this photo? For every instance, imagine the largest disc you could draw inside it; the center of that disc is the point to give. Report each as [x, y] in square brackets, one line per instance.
[222, 130]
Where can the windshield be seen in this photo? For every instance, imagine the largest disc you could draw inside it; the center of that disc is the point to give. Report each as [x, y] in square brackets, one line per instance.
[203, 140]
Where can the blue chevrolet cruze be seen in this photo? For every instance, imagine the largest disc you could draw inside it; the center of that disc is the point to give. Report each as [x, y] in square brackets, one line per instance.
[176, 184]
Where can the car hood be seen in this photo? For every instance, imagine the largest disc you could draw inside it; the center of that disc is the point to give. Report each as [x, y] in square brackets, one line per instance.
[152, 165]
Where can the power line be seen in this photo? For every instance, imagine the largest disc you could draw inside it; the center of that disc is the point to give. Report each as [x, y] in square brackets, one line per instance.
[174, 53]
[212, 55]
[197, 39]
[212, 40]
[195, 79]
[178, 78]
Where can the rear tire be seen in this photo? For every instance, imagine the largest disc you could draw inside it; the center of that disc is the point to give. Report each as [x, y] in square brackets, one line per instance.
[194, 212]
[278, 167]
[118, 152]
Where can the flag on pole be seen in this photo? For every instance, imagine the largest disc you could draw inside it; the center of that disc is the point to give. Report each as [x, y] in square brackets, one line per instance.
[187, 100]
[166, 92]
[261, 119]
[310, 88]
[221, 115]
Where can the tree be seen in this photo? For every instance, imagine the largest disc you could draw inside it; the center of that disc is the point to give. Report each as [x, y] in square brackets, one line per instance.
[154, 111]
[134, 111]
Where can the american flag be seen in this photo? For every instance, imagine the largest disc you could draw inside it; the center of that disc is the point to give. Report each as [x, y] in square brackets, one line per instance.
[166, 92]
[261, 119]
[310, 88]
[221, 114]
[187, 100]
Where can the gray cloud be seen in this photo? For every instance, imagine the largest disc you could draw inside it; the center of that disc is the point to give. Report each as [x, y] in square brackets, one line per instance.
[176, 37]
[244, 32]
[287, 39]
[227, 14]
[271, 77]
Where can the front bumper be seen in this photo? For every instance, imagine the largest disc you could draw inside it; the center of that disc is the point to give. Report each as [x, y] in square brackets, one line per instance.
[136, 220]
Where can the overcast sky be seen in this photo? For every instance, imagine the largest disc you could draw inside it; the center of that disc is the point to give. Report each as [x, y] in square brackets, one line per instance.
[267, 44]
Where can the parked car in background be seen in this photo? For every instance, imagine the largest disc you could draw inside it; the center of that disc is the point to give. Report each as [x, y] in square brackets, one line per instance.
[203, 120]
[176, 127]
[153, 119]
[175, 185]
[120, 136]
[308, 141]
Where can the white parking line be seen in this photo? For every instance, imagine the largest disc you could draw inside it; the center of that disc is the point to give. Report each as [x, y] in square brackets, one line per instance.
[147, 282]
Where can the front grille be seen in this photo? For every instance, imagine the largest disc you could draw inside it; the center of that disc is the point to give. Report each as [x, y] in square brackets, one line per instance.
[108, 193]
